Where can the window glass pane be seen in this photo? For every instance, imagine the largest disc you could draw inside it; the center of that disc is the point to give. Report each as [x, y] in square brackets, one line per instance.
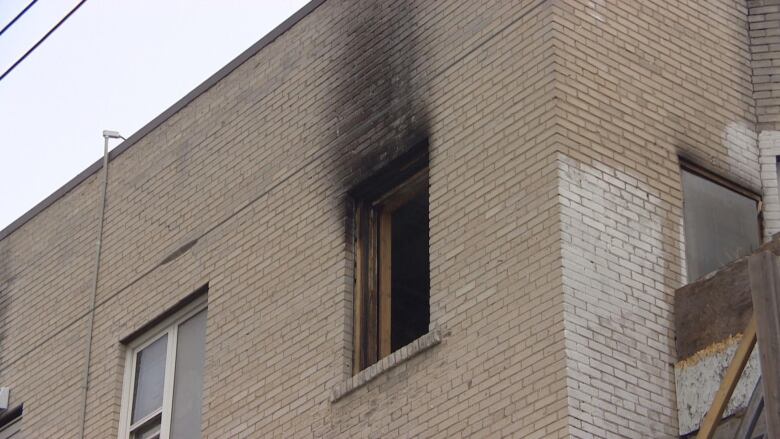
[148, 431]
[721, 225]
[188, 378]
[149, 379]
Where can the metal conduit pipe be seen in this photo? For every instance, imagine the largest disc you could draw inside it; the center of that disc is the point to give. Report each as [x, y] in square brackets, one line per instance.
[93, 293]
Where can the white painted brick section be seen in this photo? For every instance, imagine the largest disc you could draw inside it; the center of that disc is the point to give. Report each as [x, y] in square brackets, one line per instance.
[617, 320]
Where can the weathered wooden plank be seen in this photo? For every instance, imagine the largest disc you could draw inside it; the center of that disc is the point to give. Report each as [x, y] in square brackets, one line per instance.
[730, 379]
[764, 270]
[385, 283]
[712, 309]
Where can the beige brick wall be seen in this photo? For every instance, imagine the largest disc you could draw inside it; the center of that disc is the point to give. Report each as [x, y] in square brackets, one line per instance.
[255, 171]
[764, 25]
[555, 222]
[641, 84]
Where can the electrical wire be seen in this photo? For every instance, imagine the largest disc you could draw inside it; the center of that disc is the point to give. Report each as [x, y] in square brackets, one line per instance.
[18, 16]
[19, 61]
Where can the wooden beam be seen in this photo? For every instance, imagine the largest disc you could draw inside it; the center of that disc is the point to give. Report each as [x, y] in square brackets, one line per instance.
[764, 271]
[710, 422]
[385, 283]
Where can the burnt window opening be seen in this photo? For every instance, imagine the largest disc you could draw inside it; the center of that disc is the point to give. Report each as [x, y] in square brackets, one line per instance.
[722, 221]
[392, 268]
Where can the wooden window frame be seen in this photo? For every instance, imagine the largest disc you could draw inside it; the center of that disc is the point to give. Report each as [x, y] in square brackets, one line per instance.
[168, 326]
[373, 271]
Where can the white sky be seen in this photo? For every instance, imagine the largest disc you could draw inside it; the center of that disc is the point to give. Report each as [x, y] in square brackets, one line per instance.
[115, 64]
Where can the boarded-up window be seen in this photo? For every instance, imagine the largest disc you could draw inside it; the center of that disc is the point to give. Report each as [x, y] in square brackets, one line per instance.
[721, 222]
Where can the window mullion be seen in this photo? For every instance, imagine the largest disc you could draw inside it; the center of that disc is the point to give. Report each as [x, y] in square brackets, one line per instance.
[170, 367]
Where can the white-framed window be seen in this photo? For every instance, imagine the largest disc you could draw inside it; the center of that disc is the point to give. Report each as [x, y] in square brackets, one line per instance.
[163, 381]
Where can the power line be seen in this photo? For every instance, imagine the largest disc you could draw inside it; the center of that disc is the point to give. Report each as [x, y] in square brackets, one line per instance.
[19, 61]
[18, 16]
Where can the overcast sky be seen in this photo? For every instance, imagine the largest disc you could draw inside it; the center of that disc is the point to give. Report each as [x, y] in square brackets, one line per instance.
[115, 64]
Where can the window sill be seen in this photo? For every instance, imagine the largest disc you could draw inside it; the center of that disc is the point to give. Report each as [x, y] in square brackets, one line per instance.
[402, 355]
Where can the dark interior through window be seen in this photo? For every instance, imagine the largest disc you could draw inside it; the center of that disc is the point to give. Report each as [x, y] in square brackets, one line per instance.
[410, 272]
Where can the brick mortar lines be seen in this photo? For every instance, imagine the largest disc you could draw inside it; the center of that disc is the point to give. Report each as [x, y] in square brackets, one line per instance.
[313, 159]
[254, 286]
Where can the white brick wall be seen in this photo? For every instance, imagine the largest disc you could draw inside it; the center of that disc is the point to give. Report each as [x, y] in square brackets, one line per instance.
[618, 315]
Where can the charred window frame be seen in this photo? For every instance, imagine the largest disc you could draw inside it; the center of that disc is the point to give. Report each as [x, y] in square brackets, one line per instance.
[717, 231]
[392, 268]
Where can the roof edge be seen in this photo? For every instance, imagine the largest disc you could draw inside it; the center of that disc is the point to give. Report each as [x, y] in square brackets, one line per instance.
[165, 115]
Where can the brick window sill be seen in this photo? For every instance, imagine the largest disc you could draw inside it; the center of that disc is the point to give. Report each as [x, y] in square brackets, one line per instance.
[402, 355]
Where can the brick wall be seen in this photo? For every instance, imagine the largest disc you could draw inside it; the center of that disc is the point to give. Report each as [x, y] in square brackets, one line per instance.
[555, 222]
[254, 172]
[641, 84]
[765, 46]
[764, 25]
